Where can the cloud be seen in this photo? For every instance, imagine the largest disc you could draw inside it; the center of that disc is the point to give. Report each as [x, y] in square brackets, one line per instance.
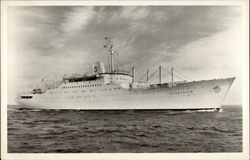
[65, 39]
[77, 19]
[138, 13]
[222, 52]
[217, 56]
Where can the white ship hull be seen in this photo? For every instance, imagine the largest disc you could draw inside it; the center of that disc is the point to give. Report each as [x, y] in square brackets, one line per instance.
[205, 94]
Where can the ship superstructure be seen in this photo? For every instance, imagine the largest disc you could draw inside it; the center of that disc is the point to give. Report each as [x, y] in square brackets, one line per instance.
[118, 90]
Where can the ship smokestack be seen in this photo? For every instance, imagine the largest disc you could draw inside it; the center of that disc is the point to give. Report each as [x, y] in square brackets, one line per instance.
[133, 74]
[98, 67]
[159, 74]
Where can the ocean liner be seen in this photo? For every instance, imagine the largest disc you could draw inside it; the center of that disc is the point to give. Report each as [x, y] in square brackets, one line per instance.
[118, 90]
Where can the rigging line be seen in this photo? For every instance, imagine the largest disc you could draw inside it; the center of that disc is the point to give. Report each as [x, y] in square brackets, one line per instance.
[166, 70]
[152, 74]
[183, 75]
[179, 77]
[142, 77]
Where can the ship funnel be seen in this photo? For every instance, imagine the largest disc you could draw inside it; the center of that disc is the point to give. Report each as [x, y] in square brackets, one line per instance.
[98, 67]
[133, 74]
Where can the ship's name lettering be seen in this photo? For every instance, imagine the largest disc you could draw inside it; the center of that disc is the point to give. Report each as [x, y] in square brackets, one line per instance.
[181, 92]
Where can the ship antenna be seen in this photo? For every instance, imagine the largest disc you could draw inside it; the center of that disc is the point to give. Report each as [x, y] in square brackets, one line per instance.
[55, 82]
[109, 46]
[43, 85]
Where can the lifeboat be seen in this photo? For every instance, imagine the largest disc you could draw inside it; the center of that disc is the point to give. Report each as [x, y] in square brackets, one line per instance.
[78, 77]
[68, 77]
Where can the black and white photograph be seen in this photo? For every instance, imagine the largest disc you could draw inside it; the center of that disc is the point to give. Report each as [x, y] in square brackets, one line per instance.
[122, 78]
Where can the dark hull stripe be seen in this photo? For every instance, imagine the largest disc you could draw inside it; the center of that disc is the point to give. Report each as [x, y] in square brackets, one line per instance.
[194, 109]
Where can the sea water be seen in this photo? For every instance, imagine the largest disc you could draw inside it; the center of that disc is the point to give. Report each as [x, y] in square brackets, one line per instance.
[71, 131]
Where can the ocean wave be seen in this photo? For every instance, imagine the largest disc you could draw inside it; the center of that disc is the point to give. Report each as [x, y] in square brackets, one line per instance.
[125, 131]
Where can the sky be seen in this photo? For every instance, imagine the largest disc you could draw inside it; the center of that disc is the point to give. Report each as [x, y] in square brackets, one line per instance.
[203, 42]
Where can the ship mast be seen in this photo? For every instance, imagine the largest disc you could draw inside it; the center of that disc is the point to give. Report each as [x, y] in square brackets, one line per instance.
[147, 75]
[43, 85]
[160, 74]
[172, 76]
[109, 46]
[117, 61]
[133, 74]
